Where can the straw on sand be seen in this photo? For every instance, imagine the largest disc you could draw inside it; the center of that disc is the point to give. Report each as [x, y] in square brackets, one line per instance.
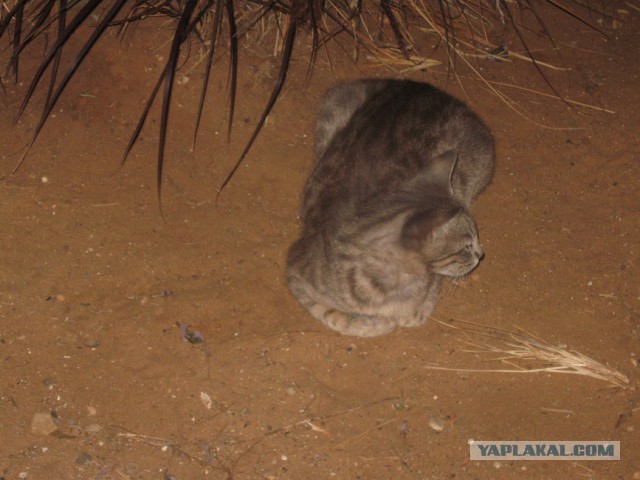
[519, 347]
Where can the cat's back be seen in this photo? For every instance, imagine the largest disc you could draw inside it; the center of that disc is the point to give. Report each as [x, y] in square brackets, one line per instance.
[383, 134]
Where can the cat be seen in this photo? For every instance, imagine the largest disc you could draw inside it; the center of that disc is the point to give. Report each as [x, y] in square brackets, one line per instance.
[385, 211]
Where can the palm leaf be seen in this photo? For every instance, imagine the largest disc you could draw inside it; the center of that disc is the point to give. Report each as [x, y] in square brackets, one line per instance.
[284, 67]
[89, 44]
[455, 25]
[215, 28]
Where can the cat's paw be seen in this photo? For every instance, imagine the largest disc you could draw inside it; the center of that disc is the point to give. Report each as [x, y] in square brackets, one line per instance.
[414, 321]
[358, 325]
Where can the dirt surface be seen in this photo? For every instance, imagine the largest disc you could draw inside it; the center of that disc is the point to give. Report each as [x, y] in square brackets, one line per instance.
[95, 285]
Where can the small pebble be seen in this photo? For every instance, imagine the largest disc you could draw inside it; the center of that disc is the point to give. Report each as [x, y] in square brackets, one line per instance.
[403, 428]
[93, 343]
[43, 424]
[92, 428]
[206, 400]
[291, 391]
[436, 424]
[83, 458]
[49, 382]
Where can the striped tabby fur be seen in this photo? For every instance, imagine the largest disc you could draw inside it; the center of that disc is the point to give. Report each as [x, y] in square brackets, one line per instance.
[385, 210]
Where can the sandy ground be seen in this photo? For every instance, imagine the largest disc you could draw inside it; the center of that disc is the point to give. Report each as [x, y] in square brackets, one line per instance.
[95, 287]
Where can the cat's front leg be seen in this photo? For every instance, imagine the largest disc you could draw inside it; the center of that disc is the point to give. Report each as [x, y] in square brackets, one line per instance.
[415, 320]
[426, 307]
[420, 316]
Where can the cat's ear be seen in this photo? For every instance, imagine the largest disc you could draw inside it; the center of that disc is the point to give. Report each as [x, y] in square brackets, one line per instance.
[423, 224]
[441, 169]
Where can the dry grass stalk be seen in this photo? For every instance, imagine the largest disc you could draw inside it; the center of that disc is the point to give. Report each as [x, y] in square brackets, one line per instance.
[514, 348]
[543, 94]
[392, 58]
[464, 40]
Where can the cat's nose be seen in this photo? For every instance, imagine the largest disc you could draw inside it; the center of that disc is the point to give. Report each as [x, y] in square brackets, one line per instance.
[479, 254]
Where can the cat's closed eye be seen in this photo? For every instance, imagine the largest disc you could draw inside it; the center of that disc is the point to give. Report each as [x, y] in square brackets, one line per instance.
[464, 250]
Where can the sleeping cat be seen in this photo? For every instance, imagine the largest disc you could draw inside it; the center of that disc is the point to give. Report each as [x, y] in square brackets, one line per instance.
[385, 211]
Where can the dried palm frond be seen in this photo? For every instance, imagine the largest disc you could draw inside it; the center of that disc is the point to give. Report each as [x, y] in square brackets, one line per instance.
[392, 32]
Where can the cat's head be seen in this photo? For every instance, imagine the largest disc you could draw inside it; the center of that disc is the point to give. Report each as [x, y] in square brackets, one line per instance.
[446, 239]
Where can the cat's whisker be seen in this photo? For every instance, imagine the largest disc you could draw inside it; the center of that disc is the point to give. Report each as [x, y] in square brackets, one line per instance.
[453, 284]
[448, 288]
